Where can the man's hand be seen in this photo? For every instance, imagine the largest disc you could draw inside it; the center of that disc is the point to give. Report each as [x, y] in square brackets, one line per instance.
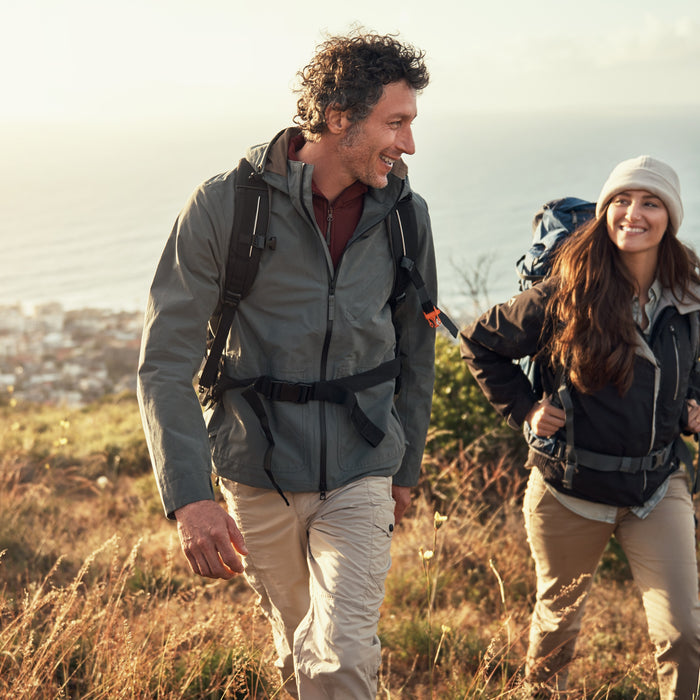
[210, 539]
[545, 418]
[402, 498]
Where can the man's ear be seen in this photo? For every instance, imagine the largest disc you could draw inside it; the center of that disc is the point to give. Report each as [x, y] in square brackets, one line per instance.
[336, 120]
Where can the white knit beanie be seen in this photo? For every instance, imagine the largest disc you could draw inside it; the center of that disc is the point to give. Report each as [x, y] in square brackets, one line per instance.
[645, 173]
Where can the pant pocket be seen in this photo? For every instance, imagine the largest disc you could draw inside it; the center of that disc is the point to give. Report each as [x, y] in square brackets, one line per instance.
[534, 493]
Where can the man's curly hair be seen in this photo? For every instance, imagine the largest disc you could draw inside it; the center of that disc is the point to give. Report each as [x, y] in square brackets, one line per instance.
[350, 72]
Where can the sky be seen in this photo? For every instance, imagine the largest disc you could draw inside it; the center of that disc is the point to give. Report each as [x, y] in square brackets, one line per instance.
[92, 61]
[154, 96]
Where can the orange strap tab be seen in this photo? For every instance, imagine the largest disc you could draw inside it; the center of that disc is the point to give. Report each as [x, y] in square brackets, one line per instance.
[433, 317]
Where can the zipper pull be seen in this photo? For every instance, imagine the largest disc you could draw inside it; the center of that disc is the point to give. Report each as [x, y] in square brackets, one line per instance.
[329, 220]
[331, 307]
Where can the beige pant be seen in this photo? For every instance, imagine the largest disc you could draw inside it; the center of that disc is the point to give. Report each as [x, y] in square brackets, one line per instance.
[661, 553]
[319, 567]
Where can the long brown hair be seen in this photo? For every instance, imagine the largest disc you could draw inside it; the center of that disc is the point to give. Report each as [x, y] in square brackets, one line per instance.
[594, 334]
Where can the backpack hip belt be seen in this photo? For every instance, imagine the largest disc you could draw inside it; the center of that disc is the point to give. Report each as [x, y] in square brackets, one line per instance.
[572, 456]
[557, 450]
[339, 391]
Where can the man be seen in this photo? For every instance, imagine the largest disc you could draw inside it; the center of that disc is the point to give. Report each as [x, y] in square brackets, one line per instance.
[318, 310]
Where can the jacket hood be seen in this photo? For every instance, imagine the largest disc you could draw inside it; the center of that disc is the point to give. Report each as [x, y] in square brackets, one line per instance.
[684, 303]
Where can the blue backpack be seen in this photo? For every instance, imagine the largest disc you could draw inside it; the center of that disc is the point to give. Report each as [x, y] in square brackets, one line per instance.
[552, 224]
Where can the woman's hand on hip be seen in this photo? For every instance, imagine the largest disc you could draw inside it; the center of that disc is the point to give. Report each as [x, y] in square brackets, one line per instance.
[545, 418]
[693, 415]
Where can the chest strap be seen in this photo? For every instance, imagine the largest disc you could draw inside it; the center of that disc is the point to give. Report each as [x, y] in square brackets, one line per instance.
[339, 391]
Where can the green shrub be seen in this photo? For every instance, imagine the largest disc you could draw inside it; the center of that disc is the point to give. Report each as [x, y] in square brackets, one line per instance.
[460, 411]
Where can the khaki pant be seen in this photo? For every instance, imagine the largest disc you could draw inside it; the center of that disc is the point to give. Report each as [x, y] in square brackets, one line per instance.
[661, 553]
[319, 568]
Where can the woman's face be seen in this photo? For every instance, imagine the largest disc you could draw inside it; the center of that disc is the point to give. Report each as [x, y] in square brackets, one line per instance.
[637, 221]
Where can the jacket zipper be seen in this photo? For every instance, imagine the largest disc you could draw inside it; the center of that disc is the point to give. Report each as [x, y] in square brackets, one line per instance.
[323, 452]
[674, 337]
[330, 317]
[329, 225]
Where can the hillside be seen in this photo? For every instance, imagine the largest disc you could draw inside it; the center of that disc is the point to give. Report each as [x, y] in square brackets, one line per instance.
[96, 600]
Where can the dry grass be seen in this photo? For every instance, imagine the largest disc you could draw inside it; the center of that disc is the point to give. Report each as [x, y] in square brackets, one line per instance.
[96, 600]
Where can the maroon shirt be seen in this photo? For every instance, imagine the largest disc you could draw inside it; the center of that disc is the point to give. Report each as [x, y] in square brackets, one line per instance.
[338, 219]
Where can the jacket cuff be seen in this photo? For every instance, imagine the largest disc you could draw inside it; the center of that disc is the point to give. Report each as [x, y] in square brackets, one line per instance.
[517, 416]
[179, 493]
[409, 471]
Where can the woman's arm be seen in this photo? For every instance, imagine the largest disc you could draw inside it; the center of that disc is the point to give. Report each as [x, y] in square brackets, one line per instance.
[492, 344]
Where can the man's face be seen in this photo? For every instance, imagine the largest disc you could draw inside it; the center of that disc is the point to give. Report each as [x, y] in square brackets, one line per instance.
[370, 147]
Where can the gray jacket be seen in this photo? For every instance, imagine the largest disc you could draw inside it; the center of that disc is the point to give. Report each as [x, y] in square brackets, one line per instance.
[303, 321]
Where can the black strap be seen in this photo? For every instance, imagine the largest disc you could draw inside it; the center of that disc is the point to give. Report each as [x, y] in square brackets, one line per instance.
[339, 391]
[561, 451]
[432, 313]
[255, 403]
[403, 237]
[250, 220]
[570, 457]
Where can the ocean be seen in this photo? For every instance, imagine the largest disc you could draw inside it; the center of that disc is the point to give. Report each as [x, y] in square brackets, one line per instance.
[86, 209]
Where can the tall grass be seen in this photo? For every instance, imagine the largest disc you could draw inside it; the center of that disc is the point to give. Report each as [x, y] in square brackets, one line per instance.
[96, 600]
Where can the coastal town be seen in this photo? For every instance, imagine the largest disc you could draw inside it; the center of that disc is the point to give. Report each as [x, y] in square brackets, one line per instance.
[67, 357]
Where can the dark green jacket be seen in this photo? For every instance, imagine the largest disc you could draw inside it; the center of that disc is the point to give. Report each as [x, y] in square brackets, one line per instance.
[302, 322]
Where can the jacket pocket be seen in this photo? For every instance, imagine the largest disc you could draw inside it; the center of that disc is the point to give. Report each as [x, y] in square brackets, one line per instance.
[369, 267]
[354, 453]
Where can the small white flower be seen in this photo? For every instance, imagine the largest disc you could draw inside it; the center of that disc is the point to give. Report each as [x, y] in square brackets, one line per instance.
[438, 520]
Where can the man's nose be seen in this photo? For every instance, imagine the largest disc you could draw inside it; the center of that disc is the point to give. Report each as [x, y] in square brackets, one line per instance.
[406, 142]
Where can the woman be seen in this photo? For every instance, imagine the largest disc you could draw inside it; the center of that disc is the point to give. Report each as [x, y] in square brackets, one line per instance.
[614, 332]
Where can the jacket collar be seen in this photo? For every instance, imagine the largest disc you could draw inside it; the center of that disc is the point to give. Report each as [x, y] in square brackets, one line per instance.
[272, 156]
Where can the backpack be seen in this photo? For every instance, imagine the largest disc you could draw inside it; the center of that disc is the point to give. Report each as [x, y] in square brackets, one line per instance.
[248, 240]
[552, 224]
[554, 221]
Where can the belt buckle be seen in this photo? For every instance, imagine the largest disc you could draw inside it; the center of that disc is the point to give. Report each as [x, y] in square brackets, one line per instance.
[304, 392]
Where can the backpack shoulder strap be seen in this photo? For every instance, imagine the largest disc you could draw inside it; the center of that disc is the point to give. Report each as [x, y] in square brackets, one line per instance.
[403, 239]
[251, 215]
[250, 221]
[695, 333]
[693, 465]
